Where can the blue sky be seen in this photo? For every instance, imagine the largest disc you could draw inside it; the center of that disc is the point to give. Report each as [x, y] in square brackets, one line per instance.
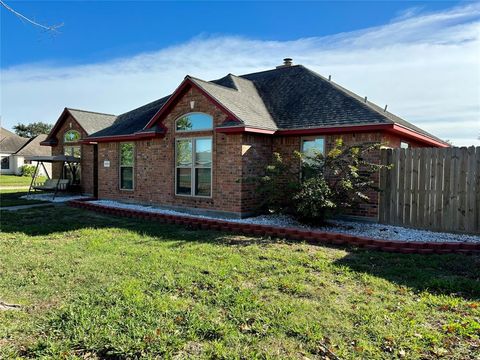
[97, 31]
[112, 56]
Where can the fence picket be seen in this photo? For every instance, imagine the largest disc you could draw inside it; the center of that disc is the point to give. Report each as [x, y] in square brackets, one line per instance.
[470, 215]
[393, 188]
[447, 222]
[422, 193]
[401, 187]
[408, 186]
[438, 188]
[415, 188]
[432, 188]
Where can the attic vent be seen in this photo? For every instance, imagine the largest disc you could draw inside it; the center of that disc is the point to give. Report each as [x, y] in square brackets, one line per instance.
[286, 62]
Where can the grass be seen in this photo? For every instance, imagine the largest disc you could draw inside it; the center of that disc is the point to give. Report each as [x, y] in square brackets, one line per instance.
[15, 180]
[11, 197]
[93, 286]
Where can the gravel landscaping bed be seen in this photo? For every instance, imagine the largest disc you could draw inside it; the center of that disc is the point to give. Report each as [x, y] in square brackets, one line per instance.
[356, 228]
[48, 197]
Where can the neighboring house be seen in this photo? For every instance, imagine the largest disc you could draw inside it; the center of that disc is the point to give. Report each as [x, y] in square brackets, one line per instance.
[196, 148]
[14, 149]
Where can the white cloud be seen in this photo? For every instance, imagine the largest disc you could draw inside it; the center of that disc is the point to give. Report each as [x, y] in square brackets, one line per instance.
[426, 67]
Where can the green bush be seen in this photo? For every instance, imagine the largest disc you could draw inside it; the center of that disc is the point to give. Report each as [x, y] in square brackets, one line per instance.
[313, 201]
[27, 170]
[319, 185]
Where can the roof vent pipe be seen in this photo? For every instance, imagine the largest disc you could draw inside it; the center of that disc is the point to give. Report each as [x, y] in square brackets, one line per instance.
[365, 99]
[385, 110]
[329, 77]
[286, 63]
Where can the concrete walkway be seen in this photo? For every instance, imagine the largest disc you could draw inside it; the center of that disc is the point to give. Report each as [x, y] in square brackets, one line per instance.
[28, 206]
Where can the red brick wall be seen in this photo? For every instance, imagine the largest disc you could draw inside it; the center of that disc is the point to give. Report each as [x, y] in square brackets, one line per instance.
[394, 141]
[236, 158]
[87, 155]
[286, 145]
[87, 165]
[154, 169]
[256, 155]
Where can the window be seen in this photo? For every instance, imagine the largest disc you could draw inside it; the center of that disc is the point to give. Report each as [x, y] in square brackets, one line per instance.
[194, 122]
[5, 163]
[126, 166]
[313, 145]
[71, 136]
[310, 147]
[72, 151]
[193, 164]
[404, 145]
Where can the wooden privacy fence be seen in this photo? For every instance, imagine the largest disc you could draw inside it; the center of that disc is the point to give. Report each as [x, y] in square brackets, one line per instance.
[431, 188]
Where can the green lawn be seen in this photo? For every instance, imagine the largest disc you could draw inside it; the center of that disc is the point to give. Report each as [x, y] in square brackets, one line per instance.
[11, 197]
[94, 286]
[14, 180]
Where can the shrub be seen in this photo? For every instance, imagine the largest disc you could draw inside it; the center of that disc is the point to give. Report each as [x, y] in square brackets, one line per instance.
[322, 185]
[313, 202]
[27, 170]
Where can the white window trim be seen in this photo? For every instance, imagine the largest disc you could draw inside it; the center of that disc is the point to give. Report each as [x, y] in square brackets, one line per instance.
[120, 166]
[196, 130]
[193, 167]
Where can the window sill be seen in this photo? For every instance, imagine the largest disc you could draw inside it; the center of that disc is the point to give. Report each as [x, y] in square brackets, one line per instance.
[193, 197]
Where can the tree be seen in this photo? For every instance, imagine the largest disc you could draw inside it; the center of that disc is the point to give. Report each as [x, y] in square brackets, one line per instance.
[322, 185]
[51, 28]
[32, 130]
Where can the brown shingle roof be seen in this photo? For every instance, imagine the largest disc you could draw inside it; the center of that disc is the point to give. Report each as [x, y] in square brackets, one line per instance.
[10, 143]
[92, 121]
[33, 147]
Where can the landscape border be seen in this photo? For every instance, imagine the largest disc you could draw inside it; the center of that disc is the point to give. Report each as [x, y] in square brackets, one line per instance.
[317, 237]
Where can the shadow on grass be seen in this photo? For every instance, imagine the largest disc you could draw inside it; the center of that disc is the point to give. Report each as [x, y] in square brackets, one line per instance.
[12, 198]
[440, 274]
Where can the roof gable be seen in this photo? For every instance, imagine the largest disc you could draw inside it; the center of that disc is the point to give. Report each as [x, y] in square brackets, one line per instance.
[282, 99]
[89, 121]
[243, 100]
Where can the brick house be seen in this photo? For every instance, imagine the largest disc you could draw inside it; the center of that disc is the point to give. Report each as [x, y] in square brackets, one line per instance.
[194, 149]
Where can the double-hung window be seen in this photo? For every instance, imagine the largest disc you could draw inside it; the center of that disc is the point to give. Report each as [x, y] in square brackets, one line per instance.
[193, 156]
[311, 147]
[126, 166]
[72, 150]
[193, 165]
[71, 136]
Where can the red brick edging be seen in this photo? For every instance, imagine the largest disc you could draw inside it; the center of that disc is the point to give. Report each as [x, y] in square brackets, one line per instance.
[405, 247]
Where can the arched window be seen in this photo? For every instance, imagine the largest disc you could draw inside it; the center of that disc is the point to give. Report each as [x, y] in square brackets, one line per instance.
[71, 136]
[194, 122]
